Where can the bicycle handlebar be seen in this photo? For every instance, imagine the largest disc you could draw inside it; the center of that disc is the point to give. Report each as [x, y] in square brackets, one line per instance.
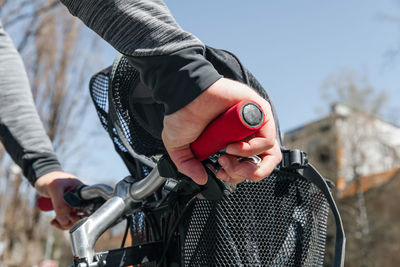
[237, 123]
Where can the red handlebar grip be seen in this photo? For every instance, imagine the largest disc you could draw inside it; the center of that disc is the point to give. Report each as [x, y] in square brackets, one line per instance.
[239, 122]
[44, 204]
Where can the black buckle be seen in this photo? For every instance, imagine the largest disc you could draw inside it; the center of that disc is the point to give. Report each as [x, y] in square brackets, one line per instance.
[293, 159]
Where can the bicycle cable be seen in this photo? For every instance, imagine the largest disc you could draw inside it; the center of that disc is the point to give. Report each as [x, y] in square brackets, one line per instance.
[173, 229]
[128, 224]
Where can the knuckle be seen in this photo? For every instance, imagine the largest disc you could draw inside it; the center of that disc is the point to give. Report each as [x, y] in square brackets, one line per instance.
[55, 184]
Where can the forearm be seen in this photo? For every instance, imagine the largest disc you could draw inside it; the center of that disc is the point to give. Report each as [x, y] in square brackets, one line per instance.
[21, 130]
[170, 60]
[133, 27]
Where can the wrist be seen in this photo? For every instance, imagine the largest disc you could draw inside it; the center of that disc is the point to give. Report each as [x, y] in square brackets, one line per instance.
[177, 78]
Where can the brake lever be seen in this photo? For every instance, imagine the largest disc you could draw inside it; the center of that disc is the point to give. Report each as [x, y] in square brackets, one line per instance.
[214, 189]
[212, 164]
[256, 160]
[87, 207]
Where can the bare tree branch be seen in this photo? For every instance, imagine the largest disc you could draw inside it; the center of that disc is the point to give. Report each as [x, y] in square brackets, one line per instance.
[29, 32]
[53, 54]
[15, 9]
[2, 3]
[367, 150]
[36, 13]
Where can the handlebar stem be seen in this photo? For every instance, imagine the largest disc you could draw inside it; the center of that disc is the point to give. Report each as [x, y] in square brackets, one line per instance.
[85, 233]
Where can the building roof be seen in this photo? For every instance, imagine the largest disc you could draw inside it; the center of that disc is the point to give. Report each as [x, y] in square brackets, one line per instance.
[368, 182]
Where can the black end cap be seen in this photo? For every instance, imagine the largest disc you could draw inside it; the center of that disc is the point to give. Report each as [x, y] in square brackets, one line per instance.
[252, 115]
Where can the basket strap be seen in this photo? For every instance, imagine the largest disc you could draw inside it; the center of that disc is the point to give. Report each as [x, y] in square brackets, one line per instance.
[312, 175]
[297, 160]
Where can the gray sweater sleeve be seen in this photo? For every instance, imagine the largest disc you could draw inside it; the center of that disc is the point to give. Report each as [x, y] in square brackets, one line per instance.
[134, 27]
[21, 130]
[170, 60]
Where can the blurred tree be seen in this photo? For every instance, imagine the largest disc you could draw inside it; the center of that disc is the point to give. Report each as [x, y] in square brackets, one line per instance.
[367, 149]
[394, 52]
[392, 57]
[56, 54]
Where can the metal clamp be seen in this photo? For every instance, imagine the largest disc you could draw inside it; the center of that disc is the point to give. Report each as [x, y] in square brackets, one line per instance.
[293, 159]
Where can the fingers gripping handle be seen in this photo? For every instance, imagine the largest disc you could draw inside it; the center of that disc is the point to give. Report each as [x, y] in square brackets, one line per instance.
[237, 123]
[45, 204]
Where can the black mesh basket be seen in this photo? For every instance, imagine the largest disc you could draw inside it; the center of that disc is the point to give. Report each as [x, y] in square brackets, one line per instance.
[279, 221]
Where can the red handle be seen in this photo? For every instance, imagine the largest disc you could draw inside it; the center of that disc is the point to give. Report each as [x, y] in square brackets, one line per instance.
[44, 204]
[239, 122]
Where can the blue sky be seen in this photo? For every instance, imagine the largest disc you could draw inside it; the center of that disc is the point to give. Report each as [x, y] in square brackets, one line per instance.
[291, 46]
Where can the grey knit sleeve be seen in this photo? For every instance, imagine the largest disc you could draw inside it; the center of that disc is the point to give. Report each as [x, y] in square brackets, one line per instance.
[170, 60]
[134, 27]
[21, 130]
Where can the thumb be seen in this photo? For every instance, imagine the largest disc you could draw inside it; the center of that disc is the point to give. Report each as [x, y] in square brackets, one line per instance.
[60, 186]
[188, 164]
[64, 213]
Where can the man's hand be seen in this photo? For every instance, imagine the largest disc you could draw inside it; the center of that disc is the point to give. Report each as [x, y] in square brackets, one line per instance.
[184, 126]
[53, 185]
